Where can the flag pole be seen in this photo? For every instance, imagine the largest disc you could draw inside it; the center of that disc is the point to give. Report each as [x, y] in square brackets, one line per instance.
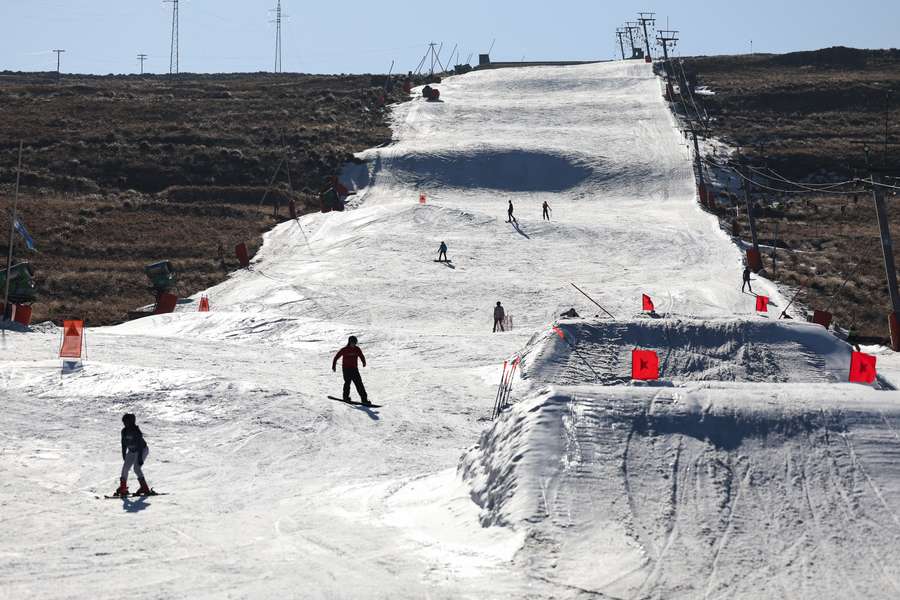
[12, 233]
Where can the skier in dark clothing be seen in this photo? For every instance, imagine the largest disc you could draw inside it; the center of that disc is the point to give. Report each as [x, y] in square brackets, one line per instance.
[547, 210]
[509, 212]
[134, 453]
[499, 315]
[349, 354]
[442, 251]
[747, 280]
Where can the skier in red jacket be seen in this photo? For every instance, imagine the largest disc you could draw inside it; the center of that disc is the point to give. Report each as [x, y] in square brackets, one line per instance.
[350, 353]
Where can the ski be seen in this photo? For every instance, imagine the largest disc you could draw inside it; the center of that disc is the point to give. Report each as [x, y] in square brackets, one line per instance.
[127, 496]
[351, 402]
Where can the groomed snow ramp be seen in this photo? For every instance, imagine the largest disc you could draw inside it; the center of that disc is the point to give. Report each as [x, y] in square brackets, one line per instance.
[708, 491]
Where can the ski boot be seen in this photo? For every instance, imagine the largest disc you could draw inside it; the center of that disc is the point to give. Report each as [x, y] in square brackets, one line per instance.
[123, 489]
[144, 490]
[366, 402]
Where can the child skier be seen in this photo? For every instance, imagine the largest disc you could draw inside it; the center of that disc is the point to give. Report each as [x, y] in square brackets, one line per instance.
[134, 453]
[350, 353]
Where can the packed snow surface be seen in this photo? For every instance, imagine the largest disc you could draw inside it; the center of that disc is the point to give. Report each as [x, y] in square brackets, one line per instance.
[752, 469]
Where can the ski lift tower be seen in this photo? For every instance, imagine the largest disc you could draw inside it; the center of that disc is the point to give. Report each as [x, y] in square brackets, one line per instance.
[647, 18]
[434, 57]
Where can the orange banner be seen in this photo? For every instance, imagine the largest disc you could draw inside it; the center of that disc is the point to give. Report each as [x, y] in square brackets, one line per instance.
[73, 339]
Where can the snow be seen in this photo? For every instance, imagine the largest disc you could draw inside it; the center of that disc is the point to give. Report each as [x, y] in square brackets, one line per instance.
[786, 475]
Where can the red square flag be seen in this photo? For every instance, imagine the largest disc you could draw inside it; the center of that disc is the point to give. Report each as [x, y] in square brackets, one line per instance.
[862, 368]
[646, 302]
[644, 364]
[762, 304]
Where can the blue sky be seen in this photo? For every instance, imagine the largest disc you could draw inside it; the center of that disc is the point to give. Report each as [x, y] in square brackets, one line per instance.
[361, 36]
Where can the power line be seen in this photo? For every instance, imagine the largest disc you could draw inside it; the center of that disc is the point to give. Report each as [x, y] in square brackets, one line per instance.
[173, 48]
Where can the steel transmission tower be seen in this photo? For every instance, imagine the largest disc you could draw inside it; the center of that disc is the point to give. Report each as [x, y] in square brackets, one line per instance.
[173, 51]
[279, 17]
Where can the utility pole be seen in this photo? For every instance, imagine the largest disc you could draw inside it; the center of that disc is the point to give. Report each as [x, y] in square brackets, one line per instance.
[58, 53]
[631, 27]
[173, 48]
[646, 18]
[887, 249]
[279, 17]
[12, 239]
[620, 33]
[142, 58]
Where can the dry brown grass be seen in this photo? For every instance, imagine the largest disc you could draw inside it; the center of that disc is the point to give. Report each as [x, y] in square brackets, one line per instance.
[799, 113]
[123, 171]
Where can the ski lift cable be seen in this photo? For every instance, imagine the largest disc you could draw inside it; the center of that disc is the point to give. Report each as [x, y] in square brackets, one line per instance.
[809, 188]
[766, 187]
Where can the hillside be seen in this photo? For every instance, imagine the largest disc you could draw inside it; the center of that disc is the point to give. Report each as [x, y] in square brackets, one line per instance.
[751, 467]
[122, 171]
[801, 116]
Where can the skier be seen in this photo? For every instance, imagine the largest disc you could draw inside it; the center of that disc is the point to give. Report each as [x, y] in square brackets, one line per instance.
[747, 280]
[350, 353]
[442, 251]
[499, 315]
[547, 210]
[509, 212]
[134, 453]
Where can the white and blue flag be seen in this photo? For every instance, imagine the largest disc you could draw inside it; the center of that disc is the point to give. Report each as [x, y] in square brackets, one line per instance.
[29, 241]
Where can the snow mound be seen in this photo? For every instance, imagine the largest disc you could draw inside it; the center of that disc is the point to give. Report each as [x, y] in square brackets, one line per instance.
[754, 350]
[736, 491]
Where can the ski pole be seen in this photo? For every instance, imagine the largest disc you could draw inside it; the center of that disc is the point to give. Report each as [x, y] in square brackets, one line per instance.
[592, 300]
[507, 385]
[499, 388]
[784, 312]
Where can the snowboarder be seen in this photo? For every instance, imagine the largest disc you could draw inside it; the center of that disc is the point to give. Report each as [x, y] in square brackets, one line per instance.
[547, 210]
[134, 453]
[442, 251]
[499, 315]
[509, 212]
[349, 354]
[747, 280]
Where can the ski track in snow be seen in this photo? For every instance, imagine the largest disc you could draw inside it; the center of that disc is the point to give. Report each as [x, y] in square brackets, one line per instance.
[752, 470]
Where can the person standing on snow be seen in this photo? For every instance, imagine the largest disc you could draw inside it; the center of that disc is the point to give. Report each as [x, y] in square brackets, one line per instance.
[547, 210]
[442, 251]
[509, 214]
[134, 453]
[499, 315]
[747, 280]
[350, 353]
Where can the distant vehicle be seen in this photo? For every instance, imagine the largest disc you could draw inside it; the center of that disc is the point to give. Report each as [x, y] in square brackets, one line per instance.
[21, 284]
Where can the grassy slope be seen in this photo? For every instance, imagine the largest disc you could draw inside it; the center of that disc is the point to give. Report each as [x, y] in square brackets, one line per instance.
[122, 171]
[799, 113]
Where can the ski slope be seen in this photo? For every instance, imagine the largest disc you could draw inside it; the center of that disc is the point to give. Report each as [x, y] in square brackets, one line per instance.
[277, 491]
